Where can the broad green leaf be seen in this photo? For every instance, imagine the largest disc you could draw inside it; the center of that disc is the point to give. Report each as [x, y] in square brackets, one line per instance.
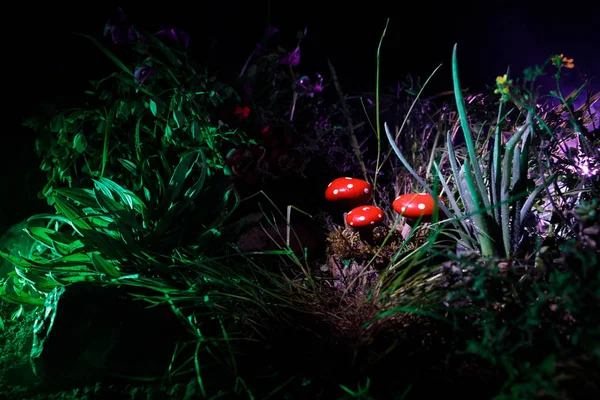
[100, 220]
[68, 243]
[70, 260]
[80, 277]
[153, 107]
[126, 196]
[129, 166]
[71, 212]
[168, 133]
[31, 276]
[41, 235]
[23, 299]
[18, 261]
[106, 202]
[79, 143]
[182, 171]
[195, 189]
[84, 197]
[103, 266]
[107, 245]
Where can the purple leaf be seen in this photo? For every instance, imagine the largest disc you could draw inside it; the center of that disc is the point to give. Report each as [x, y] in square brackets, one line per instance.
[177, 35]
[142, 73]
[292, 59]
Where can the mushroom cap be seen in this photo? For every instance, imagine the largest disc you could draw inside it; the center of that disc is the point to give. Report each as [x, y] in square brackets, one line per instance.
[415, 205]
[350, 191]
[364, 216]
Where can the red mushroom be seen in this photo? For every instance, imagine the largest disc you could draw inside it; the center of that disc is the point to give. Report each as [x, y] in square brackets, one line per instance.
[364, 216]
[351, 192]
[415, 205]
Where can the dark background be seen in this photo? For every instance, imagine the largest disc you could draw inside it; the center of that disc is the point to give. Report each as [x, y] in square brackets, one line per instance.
[43, 60]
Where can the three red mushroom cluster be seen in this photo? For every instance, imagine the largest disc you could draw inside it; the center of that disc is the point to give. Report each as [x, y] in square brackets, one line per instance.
[357, 193]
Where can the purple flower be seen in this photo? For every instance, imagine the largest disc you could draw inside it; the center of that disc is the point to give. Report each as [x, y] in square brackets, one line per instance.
[119, 29]
[177, 35]
[142, 73]
[292, 59]
[305, 86]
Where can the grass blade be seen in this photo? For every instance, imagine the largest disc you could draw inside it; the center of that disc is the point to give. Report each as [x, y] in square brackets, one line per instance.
[481, 193]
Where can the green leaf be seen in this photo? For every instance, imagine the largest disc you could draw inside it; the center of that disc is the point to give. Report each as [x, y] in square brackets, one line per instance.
[69, 260]
[124, 110]
[196, 130]
[109, 121]
[153, 107]
[17, 261]
[464, 123]
[107, 203]
[113, 248]
[9, 293]
[65, 243]
[84, 197]
[71, 212]
[168, 133]
[41, 235]
[57, 123]
[195, 189]
[179, 118]
[129, 166]
[103, 266]
[127, 196]
[477, 186]
[182, 171]
[79, 143]
[32, 277]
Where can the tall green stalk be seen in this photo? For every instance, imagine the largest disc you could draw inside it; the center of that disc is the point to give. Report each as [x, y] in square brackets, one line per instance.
[471, 165]
[377, 116]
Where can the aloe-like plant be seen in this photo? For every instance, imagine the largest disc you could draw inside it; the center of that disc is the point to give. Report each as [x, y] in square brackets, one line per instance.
[498, 201]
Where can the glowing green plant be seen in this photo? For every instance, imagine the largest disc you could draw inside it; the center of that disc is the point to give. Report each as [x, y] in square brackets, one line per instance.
[109, 232]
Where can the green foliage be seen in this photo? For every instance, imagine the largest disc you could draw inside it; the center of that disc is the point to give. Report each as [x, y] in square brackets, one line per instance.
[493, 190]
[532, 325]
[130, 127]
[137, 177]
[109, 233]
